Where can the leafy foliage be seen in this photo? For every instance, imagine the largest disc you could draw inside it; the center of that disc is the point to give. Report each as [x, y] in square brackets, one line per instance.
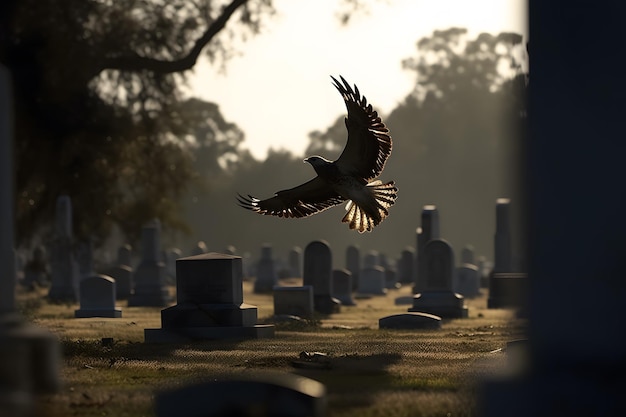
[98, 105]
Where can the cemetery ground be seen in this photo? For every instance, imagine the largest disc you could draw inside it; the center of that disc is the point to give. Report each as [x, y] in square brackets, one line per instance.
[367, 371]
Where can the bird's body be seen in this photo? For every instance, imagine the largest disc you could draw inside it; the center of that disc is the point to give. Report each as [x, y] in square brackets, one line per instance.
[350, 177]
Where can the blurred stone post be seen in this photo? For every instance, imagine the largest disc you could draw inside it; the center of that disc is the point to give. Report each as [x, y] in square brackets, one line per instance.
[29, 356]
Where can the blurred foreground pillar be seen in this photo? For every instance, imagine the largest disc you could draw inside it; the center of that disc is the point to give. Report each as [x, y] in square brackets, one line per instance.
[29, 356]
[576, 179]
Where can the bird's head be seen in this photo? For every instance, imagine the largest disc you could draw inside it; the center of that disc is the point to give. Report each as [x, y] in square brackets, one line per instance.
[317, 161]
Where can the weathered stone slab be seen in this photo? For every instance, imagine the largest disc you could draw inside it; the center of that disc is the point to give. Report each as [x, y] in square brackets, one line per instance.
[294, 301]
[97, 298]
[410, 321]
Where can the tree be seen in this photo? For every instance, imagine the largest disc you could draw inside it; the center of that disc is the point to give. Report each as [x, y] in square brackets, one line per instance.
[97, 91]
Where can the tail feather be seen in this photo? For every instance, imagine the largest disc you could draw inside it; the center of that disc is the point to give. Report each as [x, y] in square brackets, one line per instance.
[364, 220]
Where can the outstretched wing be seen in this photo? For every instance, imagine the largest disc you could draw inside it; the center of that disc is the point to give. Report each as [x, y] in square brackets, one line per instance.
[304, 200]
[369, 143]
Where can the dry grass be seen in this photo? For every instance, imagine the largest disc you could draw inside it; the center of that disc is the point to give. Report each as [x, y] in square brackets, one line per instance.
[372, 372]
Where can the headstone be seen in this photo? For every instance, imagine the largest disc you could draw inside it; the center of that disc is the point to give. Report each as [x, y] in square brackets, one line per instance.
[372, 281]
[507, 289]
[318, 267]
[266, 275]
[170, 263]
[353, 264]
[467, 255]
[342, 286]
[293, 301]
[410, 321]
[295, 262]
[84, 258]
[210, 305]
[150, 276]
[406, 266]
[484, 270]
[125, 255]
[502, 238]
[428, 231]
[30, 357]
[391, 279]
[97, 298]
[467, 280]
[372, 258]
[437, 296]
[272, 395]
[576, 225]
[64, 269]
[36, 272]
[122, 273]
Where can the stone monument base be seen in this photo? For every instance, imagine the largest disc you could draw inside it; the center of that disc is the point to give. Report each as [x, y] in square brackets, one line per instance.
[445, 304]
[190, 334]
[507, 290]
[96, 312]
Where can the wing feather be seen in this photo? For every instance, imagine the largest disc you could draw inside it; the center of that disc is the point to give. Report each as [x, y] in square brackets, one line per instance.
[301, 201]
[369, 144]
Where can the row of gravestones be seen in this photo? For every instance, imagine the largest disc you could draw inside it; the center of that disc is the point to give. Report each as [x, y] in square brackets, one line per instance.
[439, 286]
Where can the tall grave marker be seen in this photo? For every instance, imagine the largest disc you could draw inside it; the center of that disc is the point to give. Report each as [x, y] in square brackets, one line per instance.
[318, 273]
[150, 276]
[30, 359]
[64, 268]
[437, 296]
[428, 231]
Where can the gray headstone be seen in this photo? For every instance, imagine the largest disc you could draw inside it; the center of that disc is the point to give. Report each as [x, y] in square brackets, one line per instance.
[502, 239]
[438, 265]
[467, 255]
[372, 258]
[273, 395]
[64, 268]
[294, 301]
[353, 264]
[7, 259]
[97, 297]
[372, 281]
[437, 297]
[150, 276]
[123, 276]
[30, 359]
[266, 274]
[171, 255]
[318, 266]
[36, 271]
[428, 231]
[84, 258]
[125, 255]
[410, 321]
[295, 262]
[406, 266]
[210, 305]
[342, 286]
[467, 281]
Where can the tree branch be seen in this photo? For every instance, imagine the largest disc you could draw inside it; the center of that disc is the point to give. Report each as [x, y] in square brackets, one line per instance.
[136, 62]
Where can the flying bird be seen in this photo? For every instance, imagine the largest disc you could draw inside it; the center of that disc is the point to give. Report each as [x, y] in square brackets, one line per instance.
[352, 177]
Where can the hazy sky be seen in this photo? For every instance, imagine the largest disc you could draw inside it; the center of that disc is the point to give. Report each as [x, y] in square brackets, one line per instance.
[279, 89]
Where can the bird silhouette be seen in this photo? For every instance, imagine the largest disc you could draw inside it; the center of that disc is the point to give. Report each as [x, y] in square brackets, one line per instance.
[351, 177]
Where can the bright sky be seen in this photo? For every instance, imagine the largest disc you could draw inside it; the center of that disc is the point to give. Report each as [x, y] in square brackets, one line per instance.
[279, 89]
